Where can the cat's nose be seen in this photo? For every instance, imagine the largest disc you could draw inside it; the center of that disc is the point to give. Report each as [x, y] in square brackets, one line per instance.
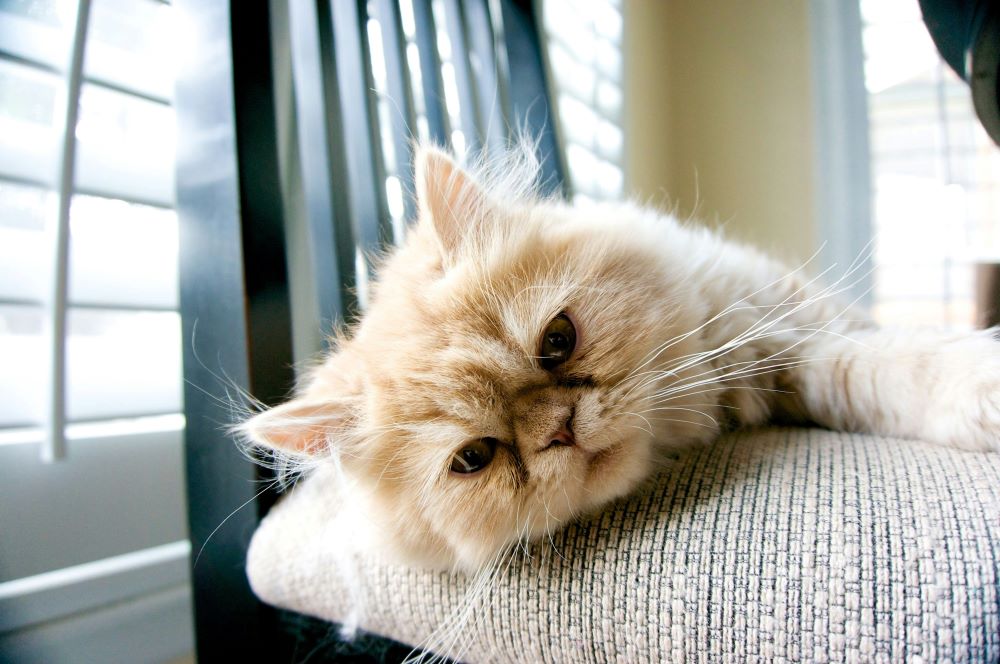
[563, 437]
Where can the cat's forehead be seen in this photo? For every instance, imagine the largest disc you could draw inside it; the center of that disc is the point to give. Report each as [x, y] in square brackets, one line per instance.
[462, 341]
[473, 371]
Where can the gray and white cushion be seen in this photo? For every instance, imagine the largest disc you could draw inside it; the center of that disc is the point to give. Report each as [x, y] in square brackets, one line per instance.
[774, 544]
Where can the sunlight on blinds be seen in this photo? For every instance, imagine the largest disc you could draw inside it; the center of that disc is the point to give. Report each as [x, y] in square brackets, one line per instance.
[584, 50]
[123, 332]
[936, 174]
[119, 488]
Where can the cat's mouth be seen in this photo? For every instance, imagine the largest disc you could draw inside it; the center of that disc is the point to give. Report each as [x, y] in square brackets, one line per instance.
[599, 460]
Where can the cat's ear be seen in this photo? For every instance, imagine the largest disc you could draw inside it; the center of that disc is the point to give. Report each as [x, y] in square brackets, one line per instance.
[303, 426]
[450, 199]
[324, 415]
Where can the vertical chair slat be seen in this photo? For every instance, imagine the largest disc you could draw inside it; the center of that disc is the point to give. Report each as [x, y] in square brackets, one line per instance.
[491, 102]
[400, 96]
[326, 208]
[234, 309]
[362, 156]
[529, 98]
[469, 115]
[430, 71]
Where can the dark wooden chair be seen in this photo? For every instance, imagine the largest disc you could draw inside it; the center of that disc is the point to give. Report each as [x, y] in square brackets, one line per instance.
[236, 294]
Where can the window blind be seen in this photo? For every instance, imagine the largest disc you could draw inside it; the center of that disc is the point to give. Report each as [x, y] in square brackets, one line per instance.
[119, 489]
[935, 174]
[584, 53]
[122, 341]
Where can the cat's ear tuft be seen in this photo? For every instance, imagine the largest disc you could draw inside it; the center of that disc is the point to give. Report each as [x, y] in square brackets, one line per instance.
[300, 427]
[450, 199]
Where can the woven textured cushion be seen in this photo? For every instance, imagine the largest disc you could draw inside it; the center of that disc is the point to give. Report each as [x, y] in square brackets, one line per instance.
[779, 544]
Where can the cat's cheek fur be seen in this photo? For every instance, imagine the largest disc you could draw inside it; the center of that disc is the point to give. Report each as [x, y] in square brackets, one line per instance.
[617, 472]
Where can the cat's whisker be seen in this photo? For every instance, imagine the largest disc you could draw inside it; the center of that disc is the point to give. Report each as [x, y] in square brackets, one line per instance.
[742, 374]
[648, 429]
[740, 304]
[814, 331]
[762, 333]
[680, 421]
[517, 520]
[693, 359]
[736, 375]
[758, 329]
[523, 537]
[569, 503]
[228, 517]
[732, 368]
[548, 530]
[755, 333]
[681, 408]
[444, 641]
[488, 581]
[719, 388]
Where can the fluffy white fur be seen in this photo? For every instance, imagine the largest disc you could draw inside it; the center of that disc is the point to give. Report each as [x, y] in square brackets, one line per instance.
[681, 334]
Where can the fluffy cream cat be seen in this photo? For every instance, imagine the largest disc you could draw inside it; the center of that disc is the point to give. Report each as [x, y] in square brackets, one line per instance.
[523, 361]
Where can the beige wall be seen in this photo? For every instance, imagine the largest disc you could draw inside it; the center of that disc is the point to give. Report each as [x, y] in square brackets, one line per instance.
[719, 115]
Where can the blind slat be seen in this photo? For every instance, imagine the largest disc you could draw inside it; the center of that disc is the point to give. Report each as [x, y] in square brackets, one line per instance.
[118, 364]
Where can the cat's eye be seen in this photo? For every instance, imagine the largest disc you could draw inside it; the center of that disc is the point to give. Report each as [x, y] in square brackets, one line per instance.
[475, 456]
[558, 342]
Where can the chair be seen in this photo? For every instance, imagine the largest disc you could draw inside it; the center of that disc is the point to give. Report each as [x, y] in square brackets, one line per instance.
[772, 545]
[242, 300]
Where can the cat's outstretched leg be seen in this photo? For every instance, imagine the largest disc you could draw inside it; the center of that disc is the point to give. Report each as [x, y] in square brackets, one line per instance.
[939, 387]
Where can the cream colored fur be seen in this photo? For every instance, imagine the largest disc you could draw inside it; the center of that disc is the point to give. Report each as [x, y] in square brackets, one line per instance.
[681, 335]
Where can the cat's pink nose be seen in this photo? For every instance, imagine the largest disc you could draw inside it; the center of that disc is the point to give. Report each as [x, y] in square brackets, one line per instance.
[563, 437]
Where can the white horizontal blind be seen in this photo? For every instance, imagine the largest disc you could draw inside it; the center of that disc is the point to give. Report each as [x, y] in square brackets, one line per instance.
[120, 488]
[584, 54]
[123, 346]
[936, 174]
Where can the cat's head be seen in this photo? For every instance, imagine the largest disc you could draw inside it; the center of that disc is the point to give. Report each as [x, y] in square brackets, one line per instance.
[504, 377]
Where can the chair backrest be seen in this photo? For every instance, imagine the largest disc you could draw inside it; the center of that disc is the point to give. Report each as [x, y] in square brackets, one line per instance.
[353, 125]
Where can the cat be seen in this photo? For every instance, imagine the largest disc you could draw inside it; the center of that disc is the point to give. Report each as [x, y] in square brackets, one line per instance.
[524, 361]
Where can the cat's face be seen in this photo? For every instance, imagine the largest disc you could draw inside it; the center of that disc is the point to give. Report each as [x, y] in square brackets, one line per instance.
[503, 379]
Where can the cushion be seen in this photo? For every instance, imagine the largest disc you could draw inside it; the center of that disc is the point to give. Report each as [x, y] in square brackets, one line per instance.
[777, 543]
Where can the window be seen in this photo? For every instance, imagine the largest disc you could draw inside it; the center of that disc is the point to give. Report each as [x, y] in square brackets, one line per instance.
[584, 52]
[105, 524]
[585, 59]
[935, 172]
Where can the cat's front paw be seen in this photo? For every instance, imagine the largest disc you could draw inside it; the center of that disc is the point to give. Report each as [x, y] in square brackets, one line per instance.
[967, 416]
